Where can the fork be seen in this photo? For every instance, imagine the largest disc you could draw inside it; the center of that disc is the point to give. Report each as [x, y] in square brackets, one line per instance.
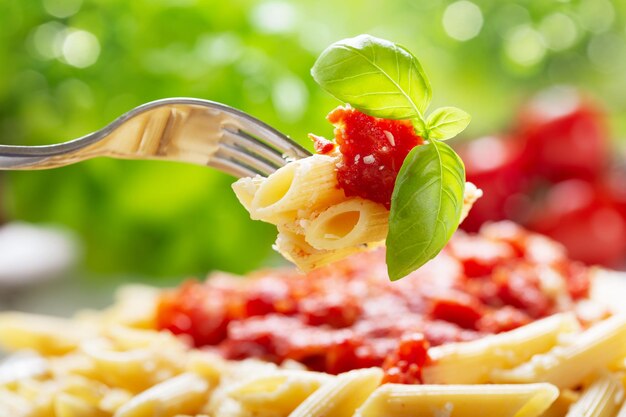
[190, 130]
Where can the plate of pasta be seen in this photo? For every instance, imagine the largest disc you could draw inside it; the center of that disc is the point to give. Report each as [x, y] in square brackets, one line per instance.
[540, 336]
[391, 312]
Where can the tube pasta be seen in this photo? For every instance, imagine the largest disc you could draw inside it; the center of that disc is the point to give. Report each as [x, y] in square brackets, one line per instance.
[474, 362]
[601, 399]
[566, 366]
[185, 393]
[278, 393]
[295, 248]
[317, 223]
[392, 400]
[300, 185]
[350, 223]
[46, 335]
[342, 396]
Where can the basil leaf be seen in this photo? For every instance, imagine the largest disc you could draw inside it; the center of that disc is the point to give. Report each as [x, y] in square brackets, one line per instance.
[375, 76]
[419, 125]
[447, 122]
[425, 207]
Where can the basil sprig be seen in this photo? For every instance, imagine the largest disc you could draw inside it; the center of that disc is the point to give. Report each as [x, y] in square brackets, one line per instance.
[385, 80]
[426, 207]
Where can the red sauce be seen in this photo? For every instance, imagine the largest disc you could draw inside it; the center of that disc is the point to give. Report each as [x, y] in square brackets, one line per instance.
[349, 315]
[373, 151]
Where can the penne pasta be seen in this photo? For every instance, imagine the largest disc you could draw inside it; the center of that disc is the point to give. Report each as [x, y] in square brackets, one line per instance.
[342, 396]
[185, 393]
[567, 365]
[278, 393]
[601, 399]
[245, 190]
[12, 404]
[393, 400]
[295, 248]
[474, 362]
[133, 369]
[304, 184]
[46, 335]
[350, 223]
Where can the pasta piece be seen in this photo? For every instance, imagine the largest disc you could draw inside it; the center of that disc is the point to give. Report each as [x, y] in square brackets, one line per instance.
[296, 249]
[46, 335]
[394, 400]
[566, 366]
[245, 189]
[279, 393]
[66, 405]
[22, 365]
[622, 411]
[561, 405]
[184, 394]
[470, 195]
[134, 369]
[300, 185]
[134, 307]
[473, 362]
[609, 288]
[113, 399]
[12, 404]
[341, 396]
[601, 399]
[353, 222]
[208, 365]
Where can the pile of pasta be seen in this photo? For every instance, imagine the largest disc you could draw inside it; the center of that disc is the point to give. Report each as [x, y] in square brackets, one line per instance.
[317, 224]
[112, 363]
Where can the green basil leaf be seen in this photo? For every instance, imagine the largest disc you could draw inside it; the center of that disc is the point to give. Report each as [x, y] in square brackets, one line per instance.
[425, 207]
[447, 122]
[419, 125]
[377, 77]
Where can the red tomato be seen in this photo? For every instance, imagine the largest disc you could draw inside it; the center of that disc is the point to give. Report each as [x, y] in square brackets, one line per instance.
[588, 222]
[494, 165]
[565, 135]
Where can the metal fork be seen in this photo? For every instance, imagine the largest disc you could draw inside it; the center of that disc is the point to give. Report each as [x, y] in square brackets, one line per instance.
[177, 129]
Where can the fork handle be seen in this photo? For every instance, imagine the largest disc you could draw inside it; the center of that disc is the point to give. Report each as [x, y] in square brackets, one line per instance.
[46, 156]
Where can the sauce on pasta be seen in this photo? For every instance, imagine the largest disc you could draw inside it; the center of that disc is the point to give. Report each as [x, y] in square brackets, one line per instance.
[349, 315]
[372, 150]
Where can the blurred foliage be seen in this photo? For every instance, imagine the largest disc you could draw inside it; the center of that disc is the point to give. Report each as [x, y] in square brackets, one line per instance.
[71, 66]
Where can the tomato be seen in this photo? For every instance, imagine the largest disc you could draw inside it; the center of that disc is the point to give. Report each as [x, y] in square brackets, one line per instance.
[588, 222]
[564, 135]
[494, 165]
[459, 308]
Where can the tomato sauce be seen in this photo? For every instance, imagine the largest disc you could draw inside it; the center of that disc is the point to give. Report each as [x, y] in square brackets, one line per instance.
[349, 315]
[372, 151]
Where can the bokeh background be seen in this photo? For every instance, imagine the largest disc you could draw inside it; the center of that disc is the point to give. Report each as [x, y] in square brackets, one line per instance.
[69, 67]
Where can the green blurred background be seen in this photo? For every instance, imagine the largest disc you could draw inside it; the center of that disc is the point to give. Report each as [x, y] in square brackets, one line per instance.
[69, 67]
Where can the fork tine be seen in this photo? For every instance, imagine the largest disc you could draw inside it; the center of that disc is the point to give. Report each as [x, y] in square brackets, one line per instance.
[246, 158]
[233, 168]
[252, 145]
[273, 137]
